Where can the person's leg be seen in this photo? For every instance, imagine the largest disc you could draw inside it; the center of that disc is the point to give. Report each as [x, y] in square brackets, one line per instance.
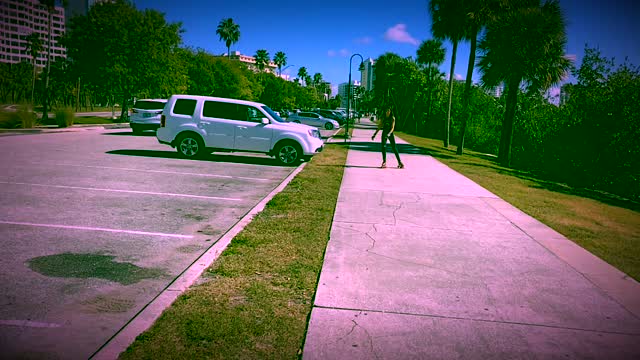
[383, 144]
[392, 141]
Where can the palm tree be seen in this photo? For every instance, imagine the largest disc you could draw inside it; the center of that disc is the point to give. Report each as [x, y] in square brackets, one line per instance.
[262, 59]
[229, 32]
[280, 59]
[50, 5]
[429, 53]
[478, 14]
[317, 79]
[525, 47]
[34, 48]
[303, 74]
[448, 22]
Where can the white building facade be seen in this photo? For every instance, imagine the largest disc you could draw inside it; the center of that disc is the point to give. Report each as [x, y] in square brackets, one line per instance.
[343, 92]
[368, 75]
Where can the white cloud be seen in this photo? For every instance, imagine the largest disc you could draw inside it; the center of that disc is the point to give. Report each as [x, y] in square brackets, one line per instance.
[363, 40]
[459, 77]
[331, 53]
[344, 52]
[399, 33]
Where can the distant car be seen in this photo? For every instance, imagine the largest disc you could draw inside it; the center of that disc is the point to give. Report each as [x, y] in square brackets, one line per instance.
[313, 119]
[145, 114]
[332, 115]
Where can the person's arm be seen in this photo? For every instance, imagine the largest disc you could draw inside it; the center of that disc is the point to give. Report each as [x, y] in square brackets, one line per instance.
[380, 123]
[393, 124]
[374, 134]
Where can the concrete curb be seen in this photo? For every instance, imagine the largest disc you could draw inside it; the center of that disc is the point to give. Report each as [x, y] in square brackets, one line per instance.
[152, 311]
[53, 130]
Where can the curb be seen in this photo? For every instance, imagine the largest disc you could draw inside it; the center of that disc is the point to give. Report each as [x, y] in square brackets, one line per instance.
[143, 320]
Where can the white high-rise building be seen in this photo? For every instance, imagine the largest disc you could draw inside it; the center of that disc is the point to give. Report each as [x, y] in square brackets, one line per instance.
[368, 75]
[342, 91]
[20, 18]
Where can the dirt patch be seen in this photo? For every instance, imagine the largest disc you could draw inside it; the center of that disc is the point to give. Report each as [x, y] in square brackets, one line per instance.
[108, 304]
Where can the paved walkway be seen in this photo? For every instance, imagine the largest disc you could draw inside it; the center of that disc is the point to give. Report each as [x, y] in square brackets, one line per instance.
[423, 263]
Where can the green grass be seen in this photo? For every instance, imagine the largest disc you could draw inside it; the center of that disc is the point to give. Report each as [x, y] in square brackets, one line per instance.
[260, 291]
[70, 265]
[605, 225]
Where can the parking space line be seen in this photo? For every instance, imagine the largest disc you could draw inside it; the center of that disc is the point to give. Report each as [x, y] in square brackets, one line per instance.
[163, 172]
[124, 191]
[29, 323]
[97, 229]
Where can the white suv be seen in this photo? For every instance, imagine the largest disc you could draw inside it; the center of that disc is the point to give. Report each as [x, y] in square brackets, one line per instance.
[196, 125]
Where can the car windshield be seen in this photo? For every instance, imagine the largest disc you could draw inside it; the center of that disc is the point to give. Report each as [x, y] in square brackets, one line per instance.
[273, 114]
[149, 105]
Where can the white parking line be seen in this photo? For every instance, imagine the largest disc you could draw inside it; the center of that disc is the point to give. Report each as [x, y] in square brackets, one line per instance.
[97, 229]
[124, 191]
[161, 171]
[29, 323]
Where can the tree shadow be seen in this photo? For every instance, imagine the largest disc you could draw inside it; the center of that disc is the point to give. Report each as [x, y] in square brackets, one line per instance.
[130, 133]
[217, 157]
[545, 184]
[402, 148]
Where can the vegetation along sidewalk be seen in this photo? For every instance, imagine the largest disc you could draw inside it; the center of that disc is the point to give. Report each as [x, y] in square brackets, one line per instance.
[255, 300]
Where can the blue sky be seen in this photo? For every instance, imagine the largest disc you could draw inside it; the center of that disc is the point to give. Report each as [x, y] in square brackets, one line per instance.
[322, 35]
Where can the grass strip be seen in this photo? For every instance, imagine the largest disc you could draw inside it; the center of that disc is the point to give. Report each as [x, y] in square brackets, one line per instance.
[256, 298]
[85, 120]
[605, 225]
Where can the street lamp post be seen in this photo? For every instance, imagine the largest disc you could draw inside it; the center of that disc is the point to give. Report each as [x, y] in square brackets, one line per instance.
[346, 135]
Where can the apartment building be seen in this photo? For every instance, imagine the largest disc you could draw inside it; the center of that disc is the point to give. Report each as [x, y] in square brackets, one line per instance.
[18, 19]
[343, 90]
[368, 75]
[251, 62]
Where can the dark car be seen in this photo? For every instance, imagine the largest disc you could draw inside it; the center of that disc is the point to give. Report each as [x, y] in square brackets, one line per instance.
[331, 115]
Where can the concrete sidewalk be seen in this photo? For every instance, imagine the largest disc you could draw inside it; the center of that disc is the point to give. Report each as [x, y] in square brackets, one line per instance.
[423, 263]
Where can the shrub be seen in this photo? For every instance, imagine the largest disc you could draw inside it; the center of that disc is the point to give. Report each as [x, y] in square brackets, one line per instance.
[22, 118]
[65, 117]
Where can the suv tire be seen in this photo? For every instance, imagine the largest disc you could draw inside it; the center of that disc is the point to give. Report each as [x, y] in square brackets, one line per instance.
[288, 153]
[190, 145]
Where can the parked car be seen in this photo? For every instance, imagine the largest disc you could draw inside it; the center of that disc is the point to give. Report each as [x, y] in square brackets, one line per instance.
[313, 119]
[196, 125]
[332, 115]
[145, 114]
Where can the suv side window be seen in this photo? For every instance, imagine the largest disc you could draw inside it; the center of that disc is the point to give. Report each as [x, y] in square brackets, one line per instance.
[249, 113]
[220, 110]
[184, 107]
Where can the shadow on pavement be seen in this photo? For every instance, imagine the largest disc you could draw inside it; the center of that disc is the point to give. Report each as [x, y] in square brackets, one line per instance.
[238, 159]
[130, 133]
[375, 147]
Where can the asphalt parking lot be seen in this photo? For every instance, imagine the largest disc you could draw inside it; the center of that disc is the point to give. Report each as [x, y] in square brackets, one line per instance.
[95, 223]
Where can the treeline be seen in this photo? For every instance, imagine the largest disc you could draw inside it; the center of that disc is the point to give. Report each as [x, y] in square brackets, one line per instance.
[586, 136]
[116, 53]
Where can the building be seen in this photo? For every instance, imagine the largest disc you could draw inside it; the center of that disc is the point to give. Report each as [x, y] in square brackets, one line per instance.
[368, 75]
[342, 91]
[20, 18]
[79, 7]
[251, 62]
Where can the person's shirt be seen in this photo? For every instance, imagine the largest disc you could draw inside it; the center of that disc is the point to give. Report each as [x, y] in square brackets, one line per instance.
[385, 122]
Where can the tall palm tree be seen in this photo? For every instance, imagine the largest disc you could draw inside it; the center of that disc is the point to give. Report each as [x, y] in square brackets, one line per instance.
[34, 47]
[431, 53]
[50, 5]
[448, 22]
[303, 74]
[229, 32]
[262, 59]
[478, 14]
[525, 47]
[317, 79]
[280, 59]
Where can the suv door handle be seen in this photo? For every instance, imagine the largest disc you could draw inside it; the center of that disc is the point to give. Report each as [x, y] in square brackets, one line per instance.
[242, 127]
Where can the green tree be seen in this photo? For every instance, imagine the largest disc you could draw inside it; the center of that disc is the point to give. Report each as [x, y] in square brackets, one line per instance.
[479, 14]
[448, 21]
[34, 48]
[50, 5]
[303, 74]
[124, 52]
[280, 59]
[262, 59]
[229, 32]
[431, 54]
[525, 47]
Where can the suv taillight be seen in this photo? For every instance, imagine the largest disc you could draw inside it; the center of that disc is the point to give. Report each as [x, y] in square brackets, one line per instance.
[162, 120]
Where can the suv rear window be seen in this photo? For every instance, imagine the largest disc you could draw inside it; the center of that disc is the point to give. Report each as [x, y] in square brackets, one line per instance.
[149, 105]
[184, 107]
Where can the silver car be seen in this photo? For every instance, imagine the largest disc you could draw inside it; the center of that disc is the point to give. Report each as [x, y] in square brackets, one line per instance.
[145, 114]
[313, 119]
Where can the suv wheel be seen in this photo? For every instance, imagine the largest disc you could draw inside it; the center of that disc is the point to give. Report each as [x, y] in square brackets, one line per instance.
[288, 153]
[190, 146]
[328, 126]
